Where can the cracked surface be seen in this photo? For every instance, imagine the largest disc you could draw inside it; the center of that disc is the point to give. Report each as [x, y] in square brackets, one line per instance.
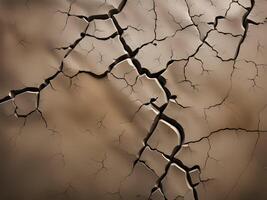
[131, 99]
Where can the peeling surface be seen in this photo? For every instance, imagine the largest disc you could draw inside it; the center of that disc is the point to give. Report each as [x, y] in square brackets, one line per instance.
[130, 99]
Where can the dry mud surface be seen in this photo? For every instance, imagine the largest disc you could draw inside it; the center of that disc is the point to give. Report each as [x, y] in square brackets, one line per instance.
[133, 99]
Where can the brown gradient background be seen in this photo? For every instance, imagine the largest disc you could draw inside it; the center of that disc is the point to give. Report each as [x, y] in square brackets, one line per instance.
[84, 137]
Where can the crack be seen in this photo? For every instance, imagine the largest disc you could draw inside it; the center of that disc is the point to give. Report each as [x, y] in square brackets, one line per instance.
[258, 133]
[125, 80]
[192, 18]
[102, 165]
[245, 25]
[152, 100]
[236, 129]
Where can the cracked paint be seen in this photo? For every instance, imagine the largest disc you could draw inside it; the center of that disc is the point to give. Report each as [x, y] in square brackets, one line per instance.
[131, 99]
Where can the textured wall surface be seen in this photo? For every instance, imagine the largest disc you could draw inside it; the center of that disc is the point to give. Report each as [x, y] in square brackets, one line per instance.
[133, 99]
